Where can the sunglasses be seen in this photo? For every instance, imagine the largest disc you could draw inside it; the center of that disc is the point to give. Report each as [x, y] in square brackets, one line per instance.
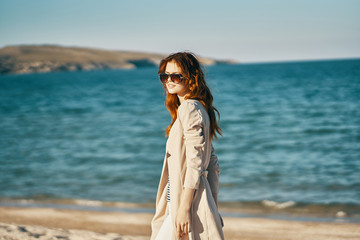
[174, 77]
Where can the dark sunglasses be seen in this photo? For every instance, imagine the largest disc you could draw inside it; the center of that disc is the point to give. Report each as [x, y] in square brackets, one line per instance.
[174, 77]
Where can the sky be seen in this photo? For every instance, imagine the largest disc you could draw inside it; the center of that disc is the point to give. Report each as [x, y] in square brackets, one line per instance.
[246, 31]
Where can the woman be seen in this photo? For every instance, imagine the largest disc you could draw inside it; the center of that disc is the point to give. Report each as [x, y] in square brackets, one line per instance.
[186, 202]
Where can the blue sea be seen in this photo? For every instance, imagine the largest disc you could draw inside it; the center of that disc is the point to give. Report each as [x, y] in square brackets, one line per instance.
[291, 135]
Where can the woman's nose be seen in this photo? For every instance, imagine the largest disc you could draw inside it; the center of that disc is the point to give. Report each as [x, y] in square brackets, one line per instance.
[169, 78]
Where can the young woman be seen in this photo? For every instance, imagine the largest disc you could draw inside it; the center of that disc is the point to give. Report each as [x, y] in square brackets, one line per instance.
[186, 202]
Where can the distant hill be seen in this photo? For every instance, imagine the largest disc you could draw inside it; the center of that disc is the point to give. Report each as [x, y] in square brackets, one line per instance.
[48, 58]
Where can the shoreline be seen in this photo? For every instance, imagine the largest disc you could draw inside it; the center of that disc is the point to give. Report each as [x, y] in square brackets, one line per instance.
[237, 210]
[86, 224]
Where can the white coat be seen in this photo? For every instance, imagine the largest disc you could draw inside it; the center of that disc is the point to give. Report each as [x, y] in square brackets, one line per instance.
[190, 162]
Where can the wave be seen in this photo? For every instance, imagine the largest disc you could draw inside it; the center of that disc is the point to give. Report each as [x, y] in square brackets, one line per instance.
[278, 205]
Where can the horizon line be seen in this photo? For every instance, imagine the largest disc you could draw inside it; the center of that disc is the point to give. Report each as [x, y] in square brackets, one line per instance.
[215, 58]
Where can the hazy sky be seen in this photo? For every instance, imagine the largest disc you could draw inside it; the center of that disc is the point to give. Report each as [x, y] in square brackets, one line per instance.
[249, 31]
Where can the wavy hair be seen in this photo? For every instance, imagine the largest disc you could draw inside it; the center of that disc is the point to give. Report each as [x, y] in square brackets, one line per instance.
[195, 82]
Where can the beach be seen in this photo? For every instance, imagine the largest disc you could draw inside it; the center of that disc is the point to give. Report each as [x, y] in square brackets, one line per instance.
[54, 223]
[82, 152]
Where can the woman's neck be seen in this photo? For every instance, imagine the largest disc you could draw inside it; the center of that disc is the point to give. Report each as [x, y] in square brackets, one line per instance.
[181, 99]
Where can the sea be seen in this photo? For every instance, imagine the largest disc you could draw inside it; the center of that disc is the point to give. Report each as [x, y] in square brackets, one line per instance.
[290, 144]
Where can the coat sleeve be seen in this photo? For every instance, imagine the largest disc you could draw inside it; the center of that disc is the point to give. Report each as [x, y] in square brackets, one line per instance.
[213, 174]
[191, 119]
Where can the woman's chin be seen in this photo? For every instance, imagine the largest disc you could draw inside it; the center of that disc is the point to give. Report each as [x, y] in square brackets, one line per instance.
[171, 91]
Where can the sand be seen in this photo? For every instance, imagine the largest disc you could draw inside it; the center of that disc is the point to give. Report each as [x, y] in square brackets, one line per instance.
[48, 223]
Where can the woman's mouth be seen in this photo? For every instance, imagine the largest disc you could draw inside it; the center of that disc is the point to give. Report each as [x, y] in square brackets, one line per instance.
[170, 86]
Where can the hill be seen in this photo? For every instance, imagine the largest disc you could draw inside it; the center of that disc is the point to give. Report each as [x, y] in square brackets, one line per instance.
[48, 58]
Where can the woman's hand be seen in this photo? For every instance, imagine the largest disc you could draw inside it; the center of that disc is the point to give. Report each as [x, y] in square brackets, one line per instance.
[183, 218]
[182, 223]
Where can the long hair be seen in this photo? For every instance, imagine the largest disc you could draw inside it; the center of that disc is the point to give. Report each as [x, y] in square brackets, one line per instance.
[195, 82]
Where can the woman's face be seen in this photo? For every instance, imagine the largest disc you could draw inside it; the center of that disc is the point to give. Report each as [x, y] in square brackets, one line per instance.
[175, 88]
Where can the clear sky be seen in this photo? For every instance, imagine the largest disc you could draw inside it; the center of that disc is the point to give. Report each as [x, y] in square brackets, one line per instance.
[248, 31]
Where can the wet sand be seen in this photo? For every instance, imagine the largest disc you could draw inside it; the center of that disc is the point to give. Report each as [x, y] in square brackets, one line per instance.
[51, 223]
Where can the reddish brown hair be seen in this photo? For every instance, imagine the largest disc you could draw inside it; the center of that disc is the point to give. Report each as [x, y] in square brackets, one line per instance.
[195, 82]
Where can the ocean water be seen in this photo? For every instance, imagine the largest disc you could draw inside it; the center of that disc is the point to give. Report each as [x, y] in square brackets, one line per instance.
[291, 134]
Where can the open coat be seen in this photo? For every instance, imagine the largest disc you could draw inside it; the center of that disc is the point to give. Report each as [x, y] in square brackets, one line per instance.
[190, 162]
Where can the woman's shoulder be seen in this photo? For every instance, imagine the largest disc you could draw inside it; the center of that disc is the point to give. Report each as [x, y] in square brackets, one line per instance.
[191, 108]
[190, 105]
